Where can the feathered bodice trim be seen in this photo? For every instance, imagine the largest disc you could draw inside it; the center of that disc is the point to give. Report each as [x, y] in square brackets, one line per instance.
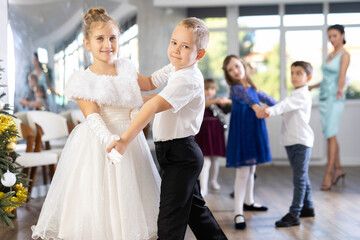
[121, 90]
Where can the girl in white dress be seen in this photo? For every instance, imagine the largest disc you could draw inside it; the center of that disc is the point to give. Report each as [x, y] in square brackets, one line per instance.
[90, 197]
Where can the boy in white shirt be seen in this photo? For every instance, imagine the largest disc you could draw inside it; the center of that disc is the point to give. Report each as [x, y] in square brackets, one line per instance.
[179, 110]
[298, 138]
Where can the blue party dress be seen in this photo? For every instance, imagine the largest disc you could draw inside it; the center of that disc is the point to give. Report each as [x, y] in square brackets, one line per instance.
[248, 142]
[330, 108]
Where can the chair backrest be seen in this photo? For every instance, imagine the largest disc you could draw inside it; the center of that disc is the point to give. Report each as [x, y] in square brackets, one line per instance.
[77, 116]
[66, 114]
[25, 133]
[18, 123]
[22, 116]
[53, 125]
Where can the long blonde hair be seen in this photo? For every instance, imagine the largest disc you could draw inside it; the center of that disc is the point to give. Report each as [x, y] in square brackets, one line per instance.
[96, 15]
[246, 80]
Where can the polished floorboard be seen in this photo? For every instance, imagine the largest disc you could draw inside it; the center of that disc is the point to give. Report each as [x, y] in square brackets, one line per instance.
[337, 211]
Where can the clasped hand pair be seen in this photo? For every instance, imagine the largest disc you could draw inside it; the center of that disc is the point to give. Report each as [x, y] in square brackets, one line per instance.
[262, 112]
[116, 149]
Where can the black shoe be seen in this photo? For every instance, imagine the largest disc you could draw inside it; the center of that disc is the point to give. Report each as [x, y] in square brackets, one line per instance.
[307, 212]
[232, 195]
[288, 220]
[253, 208]
[241, 225]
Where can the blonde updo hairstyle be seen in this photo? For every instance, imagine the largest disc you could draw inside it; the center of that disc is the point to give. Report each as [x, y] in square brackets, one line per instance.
[94, 16]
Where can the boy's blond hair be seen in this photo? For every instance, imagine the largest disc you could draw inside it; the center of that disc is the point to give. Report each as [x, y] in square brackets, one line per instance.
[201, 32]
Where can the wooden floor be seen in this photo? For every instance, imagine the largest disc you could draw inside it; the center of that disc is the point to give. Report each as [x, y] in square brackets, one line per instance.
[337, 211]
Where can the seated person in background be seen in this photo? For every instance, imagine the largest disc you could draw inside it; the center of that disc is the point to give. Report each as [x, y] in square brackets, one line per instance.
[33, 83]
[40, 101]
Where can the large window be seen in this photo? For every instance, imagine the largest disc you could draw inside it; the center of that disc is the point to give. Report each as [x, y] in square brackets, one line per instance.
[129, 43]
[352, 76]
[259, 45]
[66, 62]
[211, 64]
[271, 37]
[260, 48]
[304, 45]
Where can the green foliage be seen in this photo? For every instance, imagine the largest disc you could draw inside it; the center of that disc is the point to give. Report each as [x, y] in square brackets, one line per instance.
[8, 133]
[5, 201]
[352, 92]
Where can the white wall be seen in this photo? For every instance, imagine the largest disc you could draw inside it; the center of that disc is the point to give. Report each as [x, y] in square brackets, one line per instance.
[3, 45]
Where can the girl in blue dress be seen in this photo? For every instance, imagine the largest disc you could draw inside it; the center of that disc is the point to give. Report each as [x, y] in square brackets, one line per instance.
[332, 101]
[248, 143]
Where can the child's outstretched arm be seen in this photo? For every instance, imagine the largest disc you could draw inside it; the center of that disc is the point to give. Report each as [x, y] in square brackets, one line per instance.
[149, 109]
[156, 79]
[147, 97]
[98, 126]
[287, 105]
[221, 101]
[265, 98]
[260, 111]
[32, 104]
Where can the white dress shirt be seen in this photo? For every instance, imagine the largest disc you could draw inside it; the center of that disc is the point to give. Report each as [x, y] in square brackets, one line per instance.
[296, 111]
[185, 92]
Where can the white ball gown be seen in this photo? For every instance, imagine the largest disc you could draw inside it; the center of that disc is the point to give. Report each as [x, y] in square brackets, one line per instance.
[89, 198]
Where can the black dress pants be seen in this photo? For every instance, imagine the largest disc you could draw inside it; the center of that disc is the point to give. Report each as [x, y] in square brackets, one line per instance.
[180, 200]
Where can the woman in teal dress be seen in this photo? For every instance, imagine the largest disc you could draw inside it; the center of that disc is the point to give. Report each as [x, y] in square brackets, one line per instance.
[332, 101]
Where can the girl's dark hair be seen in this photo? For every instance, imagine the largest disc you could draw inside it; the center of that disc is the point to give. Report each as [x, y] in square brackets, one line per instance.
[41, 89]
[243, 81]
[36, 55]
[208, 83]
[305, 65]
[340, 28]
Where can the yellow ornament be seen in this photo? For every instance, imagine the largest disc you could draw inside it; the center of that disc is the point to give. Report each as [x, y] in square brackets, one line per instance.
[1, 195]
[7, 122]
[11, 145]
[21, 193]
[18, 186]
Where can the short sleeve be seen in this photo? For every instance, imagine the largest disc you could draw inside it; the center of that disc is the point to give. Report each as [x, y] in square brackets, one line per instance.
[76, 87]
[178, 92]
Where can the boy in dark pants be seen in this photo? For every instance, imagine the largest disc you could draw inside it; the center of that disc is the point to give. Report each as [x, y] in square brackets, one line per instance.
[298, 138]
[179, 110]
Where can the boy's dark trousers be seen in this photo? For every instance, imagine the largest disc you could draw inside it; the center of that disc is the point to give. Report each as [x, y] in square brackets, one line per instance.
[180, 200]
[299, 157]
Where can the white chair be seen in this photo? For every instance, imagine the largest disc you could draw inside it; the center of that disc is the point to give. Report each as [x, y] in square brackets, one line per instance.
[55, 129]
[77, 116]
[22, 116]
[31, 158]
